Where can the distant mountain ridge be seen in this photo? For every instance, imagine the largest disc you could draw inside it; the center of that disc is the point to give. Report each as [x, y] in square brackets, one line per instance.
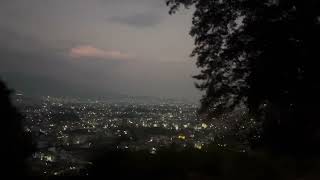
[34, 85]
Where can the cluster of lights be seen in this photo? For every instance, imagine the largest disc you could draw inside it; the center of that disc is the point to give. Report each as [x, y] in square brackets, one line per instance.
[86, 122]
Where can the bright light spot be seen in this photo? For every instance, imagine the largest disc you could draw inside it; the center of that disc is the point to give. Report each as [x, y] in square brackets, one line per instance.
[65, 127]
[203, 125]
[182, 137]
[153, 150]
[198, 146]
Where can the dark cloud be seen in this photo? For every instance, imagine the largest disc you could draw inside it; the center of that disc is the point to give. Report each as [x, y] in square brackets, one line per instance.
[65, 47]
[16, 41]
[33, 67]
[139, 20]
[20, 42]
[150, 3]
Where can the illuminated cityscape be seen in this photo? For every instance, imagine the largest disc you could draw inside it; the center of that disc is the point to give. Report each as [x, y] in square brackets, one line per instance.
[67, 132]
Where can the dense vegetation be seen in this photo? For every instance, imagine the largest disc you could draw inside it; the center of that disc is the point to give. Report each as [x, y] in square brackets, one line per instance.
[262, 54]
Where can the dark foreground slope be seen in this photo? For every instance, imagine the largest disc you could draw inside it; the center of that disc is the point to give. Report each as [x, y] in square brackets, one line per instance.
[216, 163]
[16, 145]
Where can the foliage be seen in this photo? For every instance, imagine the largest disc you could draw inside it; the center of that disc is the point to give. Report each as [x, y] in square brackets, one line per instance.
[262, 53]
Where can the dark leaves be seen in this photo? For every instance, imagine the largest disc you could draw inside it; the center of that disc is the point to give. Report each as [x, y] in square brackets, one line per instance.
[259, 52]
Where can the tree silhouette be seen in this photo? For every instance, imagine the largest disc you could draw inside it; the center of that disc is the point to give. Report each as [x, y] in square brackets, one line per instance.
[16, 144]
[262, 53]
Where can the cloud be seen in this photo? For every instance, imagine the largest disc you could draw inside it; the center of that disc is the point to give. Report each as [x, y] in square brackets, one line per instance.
[140, 3]
[139, 20]
[88, 51]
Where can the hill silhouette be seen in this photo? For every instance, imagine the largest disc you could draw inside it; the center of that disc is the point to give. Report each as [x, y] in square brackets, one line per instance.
[16, 144]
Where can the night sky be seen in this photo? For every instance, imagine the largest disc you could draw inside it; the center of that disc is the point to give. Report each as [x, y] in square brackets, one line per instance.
[96, 47]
